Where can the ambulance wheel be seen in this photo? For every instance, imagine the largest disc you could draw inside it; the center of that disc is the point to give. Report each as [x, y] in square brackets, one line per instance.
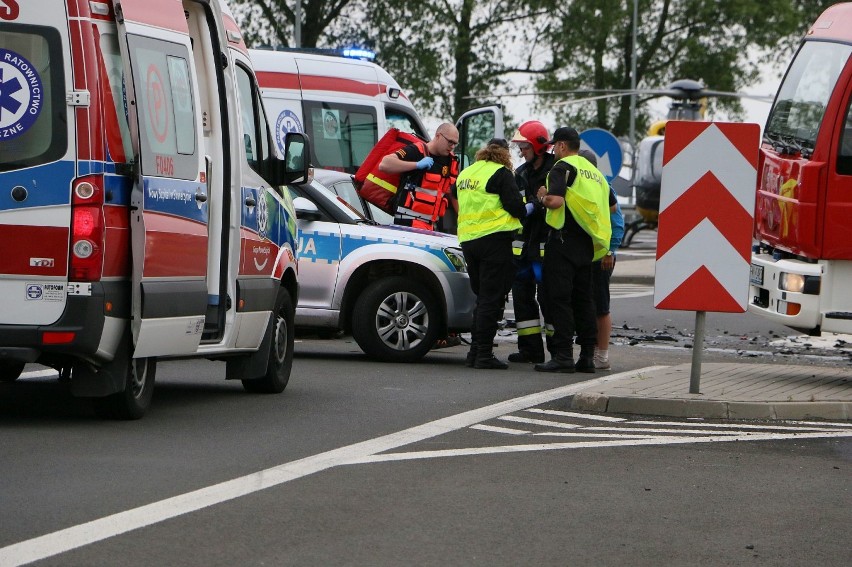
[10, 370]
[396, 320]
[280, 351]
[134, 401]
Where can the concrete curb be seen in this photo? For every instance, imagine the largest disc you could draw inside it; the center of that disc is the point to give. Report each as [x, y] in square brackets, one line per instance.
[713, 409]
[728, 391]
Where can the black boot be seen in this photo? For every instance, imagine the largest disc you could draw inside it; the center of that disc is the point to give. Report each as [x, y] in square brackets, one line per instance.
[586, 361]
[525, 357]
[560, 363]
[485, 359]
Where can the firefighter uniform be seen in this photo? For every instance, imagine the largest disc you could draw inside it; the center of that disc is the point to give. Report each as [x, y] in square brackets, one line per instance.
[528, 249]
[489, 209]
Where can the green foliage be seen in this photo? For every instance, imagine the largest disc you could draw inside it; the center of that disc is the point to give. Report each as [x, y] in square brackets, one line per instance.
[451, 55]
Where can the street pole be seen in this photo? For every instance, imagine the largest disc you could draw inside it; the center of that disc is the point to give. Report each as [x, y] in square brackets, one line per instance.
[697, 351]
[633, 88]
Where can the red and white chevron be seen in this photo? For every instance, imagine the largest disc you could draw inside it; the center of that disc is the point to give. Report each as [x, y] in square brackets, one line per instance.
[706, 216]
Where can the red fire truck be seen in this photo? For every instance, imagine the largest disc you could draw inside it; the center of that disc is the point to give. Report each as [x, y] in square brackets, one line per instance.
[801, 268]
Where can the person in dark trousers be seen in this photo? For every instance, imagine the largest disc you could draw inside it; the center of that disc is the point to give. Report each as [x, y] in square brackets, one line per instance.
[576, 198]
[601, 273]
[531, 139]
[489, 209]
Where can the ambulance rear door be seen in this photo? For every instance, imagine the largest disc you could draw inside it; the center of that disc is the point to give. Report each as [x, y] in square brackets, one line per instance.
[169, 210]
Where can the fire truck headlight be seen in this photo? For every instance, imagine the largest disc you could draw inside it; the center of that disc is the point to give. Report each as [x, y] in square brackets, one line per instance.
[798, 283]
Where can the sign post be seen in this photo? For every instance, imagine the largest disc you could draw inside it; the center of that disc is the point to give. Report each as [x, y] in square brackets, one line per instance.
[706, 222]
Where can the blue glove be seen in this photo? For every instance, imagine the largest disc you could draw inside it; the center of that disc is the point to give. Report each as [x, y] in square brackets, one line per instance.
[425, 163]
[530, 208]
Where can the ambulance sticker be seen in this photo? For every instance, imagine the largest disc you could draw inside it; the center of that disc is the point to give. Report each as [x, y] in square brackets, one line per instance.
[45, 291]
[20, 94]
[287, 121]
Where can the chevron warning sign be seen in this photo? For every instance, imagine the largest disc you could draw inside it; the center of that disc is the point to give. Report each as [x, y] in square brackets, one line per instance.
[706, 216]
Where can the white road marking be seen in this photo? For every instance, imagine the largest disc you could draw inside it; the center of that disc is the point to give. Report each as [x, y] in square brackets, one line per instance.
[544, 422]
[658, 430]
[40, 373]
[60, 541]
[576, 414]
[674, 440]
[584, 434]
[495, 429]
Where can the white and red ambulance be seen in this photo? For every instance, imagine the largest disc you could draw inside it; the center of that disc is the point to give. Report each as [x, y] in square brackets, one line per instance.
[141, 214]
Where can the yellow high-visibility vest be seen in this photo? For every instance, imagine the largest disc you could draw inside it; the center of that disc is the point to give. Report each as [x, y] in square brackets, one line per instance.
[480, 213]
[588, 201]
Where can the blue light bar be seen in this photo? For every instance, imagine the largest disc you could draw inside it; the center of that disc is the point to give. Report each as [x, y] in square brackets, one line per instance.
[358, 53]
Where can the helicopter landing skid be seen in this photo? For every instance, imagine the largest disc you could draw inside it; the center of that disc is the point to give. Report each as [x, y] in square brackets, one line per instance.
[632, 228]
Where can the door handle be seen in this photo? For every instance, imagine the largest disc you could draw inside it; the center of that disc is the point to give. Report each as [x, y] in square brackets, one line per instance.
[201, 197]
[250, 202]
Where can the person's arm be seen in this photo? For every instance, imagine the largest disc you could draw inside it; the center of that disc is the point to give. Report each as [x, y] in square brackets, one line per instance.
[502, 183]
[404, 160]
[560, 178]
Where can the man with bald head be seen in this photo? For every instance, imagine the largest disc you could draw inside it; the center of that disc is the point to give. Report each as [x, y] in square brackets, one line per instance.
[428, 171]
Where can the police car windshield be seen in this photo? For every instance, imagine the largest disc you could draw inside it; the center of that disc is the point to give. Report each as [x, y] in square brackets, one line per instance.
[332, 200]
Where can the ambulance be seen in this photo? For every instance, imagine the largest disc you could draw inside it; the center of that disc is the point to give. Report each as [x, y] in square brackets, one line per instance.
[142, 210]
[346, 105]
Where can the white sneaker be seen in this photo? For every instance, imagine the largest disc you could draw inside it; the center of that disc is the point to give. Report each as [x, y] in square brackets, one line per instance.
[601, 363]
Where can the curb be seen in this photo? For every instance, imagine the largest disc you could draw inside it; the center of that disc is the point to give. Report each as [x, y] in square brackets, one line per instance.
[713, 409]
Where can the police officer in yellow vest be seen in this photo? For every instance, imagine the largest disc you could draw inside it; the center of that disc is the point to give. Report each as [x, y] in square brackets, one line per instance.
[577, 203]
[489, 208]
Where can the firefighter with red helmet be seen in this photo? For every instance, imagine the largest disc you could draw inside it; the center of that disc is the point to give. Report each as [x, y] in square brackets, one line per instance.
[531, 138]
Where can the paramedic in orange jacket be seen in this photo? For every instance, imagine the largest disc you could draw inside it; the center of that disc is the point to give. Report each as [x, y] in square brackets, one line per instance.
[428, 171]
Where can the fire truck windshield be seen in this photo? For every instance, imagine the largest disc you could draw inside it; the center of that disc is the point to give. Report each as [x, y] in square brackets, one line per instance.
[802, 99]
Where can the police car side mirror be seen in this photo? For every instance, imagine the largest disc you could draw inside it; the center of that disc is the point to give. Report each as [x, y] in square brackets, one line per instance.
[306, 209]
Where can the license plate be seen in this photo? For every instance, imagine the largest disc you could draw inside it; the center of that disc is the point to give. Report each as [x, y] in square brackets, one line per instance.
[756, 275]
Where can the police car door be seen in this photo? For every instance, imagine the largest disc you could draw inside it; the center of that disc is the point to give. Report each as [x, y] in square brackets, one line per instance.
[169, 213]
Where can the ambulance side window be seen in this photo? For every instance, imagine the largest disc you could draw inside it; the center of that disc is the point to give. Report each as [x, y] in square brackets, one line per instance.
[165, 107]
[342, 135]
[403, 122]
[255, 131]
[33, 111]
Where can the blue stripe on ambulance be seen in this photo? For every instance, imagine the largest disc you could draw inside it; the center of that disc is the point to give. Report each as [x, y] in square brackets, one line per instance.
[47, 185]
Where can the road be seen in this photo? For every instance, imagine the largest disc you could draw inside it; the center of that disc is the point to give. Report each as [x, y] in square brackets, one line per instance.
[360, 463]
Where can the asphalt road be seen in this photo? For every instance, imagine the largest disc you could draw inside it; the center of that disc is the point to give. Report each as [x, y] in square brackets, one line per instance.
[360, 463]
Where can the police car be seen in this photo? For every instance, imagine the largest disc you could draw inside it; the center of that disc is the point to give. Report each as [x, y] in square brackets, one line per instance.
[395, 289]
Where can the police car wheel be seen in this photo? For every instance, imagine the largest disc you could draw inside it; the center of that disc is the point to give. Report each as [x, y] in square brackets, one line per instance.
[280, 351]
[10, 370]
[135, 399]
[396, 320]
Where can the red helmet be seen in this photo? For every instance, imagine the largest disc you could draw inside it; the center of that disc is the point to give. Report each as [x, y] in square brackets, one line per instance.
[533, 132]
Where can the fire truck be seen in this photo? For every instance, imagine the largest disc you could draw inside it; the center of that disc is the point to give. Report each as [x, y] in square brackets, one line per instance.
[142, 214]
[801, 267]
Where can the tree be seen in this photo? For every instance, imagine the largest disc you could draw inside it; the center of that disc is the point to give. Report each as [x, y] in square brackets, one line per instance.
[446, 51]
[713, 41]
[273, 21]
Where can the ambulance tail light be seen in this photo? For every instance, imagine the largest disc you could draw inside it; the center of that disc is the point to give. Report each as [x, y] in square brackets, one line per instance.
[87, 230]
